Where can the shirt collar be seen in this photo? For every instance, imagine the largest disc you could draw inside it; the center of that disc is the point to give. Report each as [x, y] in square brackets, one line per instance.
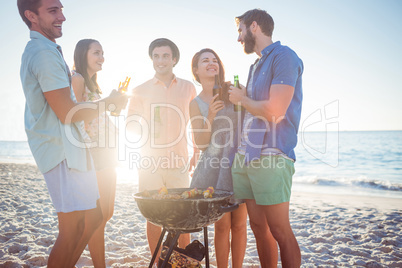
[39, 36]
[156, 80]
[270, 48]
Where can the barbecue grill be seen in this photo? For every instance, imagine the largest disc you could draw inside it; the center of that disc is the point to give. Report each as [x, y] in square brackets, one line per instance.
[178, 216]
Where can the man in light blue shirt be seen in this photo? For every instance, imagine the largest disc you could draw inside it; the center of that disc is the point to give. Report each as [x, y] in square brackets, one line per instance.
[43, 70]
[263, 166]
[52, 123]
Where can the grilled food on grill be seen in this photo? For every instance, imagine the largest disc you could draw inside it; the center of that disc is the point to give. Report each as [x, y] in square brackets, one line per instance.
[164, 194]
[208, 192]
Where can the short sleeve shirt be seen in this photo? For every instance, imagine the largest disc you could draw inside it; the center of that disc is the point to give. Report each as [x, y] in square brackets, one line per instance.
[277, 65]
[43, 69]
[169, 146]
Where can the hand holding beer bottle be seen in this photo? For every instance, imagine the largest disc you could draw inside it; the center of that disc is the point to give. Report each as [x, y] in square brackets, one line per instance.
[216, 103]
[122, 89]
[217, 89]
[237, 107]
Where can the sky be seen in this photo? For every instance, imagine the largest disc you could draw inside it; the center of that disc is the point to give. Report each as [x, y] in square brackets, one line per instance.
[350, 50]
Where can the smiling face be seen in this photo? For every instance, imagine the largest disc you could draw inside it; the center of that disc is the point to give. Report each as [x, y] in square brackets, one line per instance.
[246, 38]
[163, 60]
[207, 66]
[95, 58]
[49, 19]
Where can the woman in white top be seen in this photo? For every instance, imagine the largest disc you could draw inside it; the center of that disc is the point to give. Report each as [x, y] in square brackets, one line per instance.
[88, 60]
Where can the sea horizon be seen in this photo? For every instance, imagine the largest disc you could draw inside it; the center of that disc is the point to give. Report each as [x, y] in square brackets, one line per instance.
[367, 163]
[310, 131]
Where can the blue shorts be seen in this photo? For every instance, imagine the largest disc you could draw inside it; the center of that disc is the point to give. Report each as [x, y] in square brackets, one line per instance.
[268, 180]
[72, 190]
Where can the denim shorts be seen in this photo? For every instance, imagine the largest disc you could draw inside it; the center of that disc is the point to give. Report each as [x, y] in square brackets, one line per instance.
[268, 180]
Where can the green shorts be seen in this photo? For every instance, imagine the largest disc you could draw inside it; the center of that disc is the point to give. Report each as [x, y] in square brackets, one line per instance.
[268, 180]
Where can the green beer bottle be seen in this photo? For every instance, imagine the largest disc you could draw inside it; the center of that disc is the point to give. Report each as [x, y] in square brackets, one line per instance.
[237, 107]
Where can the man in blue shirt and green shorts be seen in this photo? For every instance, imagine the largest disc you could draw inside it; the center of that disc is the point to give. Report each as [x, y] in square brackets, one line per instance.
[263, 165]
[53, 121]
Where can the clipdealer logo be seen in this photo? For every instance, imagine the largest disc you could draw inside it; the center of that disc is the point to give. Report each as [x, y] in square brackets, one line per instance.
[327, 120]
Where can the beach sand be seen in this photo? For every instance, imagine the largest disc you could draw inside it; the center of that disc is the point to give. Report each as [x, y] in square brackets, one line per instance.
[331, 230]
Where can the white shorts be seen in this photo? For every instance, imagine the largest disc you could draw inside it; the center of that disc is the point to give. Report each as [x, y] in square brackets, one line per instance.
[72, 190]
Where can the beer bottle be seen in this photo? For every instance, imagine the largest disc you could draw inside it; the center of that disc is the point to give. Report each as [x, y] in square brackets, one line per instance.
[217, 89]
[122, 89]
[237, 107]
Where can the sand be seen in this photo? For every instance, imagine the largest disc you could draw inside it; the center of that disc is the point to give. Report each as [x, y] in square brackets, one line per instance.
[331, 230]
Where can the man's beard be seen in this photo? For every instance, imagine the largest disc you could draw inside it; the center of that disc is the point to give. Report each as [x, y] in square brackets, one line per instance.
[249, 42]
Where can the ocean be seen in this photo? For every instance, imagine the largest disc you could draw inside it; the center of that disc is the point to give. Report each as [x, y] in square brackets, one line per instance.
[355, 163]
[365, 163]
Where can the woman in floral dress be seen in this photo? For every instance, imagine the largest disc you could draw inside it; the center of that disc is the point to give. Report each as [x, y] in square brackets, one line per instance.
[88, 60]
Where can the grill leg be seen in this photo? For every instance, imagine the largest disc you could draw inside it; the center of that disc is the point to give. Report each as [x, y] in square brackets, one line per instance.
[206, 247]
[157, 247]
[172, 244]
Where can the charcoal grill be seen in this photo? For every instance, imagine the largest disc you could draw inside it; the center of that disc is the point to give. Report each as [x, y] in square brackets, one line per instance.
[178, 216]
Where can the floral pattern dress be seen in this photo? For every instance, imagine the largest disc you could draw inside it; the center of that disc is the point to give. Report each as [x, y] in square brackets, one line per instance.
[97, 126]
[101, 133]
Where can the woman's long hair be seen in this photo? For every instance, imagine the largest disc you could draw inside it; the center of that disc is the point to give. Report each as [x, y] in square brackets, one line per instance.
[81, 64]
[221, 75]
